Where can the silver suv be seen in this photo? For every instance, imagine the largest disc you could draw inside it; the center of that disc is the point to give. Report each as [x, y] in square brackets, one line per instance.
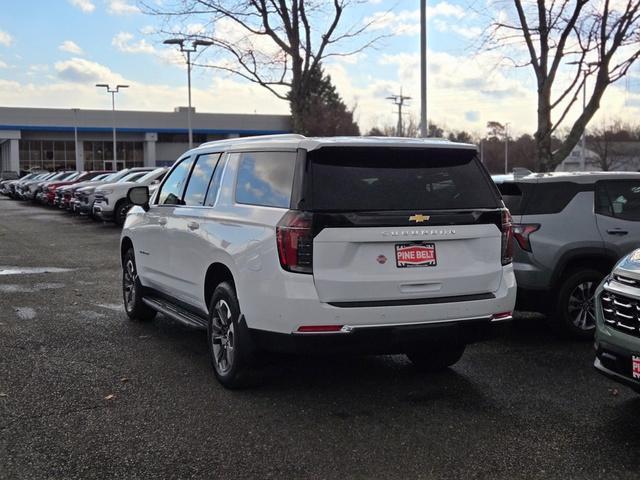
[569, 231]
[323, 244]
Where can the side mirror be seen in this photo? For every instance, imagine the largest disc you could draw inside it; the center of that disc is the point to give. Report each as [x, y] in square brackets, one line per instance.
[139, 196]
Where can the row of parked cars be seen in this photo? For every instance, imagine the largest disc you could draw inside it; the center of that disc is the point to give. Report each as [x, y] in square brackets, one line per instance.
[99, 194]
[375, 245]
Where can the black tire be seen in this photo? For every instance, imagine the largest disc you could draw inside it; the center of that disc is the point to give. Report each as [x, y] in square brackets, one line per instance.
[91, 215]
[436, 358]
[574, 313]
[228, 340]
[132, 290]
[120, 212]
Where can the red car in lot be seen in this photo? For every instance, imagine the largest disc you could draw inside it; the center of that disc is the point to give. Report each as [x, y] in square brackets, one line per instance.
[49, 196]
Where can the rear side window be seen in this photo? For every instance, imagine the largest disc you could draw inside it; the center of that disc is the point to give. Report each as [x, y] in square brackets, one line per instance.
[619, 199]
[385, 178]
[551, 197]
[265, 178]
[539, 198]
[200, 179]
[173, 187]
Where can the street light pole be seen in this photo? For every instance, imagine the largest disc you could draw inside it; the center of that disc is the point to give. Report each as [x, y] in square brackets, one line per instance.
[75, 136]
[506, 148]
[194, 46]
[423, 69]
[113, 92]
[582, 140]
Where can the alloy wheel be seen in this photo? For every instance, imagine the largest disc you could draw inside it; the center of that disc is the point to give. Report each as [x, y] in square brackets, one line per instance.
[581, 306]
[129, 285]
[222, 337]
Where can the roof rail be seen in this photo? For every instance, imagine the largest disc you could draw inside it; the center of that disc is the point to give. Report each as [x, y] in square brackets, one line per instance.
[255, 138]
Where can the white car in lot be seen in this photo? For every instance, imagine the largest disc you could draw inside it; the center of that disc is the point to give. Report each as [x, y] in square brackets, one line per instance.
[111, 204]
[287, 243]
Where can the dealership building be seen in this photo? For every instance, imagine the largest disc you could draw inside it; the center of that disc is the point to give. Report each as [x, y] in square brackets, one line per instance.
[46, 137]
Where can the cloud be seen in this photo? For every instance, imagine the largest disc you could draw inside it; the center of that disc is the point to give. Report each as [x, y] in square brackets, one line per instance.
[5, 38]
[465, 31]
[221, 95]
[3, 65]
[80, 70]
[407, 22]
[37, 69]
[121, 7]
[464, 92]
[85, 5]
[127, 43]
[70, 47]
[123, 42]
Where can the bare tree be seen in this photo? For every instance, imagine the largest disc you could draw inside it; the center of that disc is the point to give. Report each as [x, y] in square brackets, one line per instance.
[276, 44]
[611, 142]
[570, 44]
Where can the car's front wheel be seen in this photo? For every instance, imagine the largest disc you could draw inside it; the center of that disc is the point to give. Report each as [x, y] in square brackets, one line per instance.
[120, 212]
[135, 308]
[436, 358]
[227, 338]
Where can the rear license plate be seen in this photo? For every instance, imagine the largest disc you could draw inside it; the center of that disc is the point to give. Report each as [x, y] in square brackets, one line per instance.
[419, 254]
[635, 366]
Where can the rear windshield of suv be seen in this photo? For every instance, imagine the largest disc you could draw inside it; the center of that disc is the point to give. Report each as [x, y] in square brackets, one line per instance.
[386, 178]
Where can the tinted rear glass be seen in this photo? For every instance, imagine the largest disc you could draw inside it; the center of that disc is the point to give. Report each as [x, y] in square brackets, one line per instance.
[384, 178]
[540, 198]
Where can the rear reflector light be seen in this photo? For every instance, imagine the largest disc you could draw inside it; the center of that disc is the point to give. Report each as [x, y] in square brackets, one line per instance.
[295, 242]
[521, 232]
[507, 237]
[501, 315]
[319, 328]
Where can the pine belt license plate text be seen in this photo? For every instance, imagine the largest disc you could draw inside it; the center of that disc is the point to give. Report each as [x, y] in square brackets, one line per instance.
[635, 367]
[419, 254]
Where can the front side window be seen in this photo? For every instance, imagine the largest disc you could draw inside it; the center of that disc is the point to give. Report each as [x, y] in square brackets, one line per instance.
[619, 199]
[173, 187]
[265, 178]
[200, 178]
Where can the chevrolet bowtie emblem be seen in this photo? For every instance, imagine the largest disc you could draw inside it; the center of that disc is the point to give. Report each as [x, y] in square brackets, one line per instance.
[419, 218]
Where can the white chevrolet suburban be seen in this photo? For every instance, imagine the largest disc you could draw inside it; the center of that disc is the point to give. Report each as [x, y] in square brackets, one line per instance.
[288, 243]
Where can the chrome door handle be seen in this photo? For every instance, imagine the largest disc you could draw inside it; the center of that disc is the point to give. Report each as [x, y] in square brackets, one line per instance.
[617, 231]
[162, 221]
[193, 225]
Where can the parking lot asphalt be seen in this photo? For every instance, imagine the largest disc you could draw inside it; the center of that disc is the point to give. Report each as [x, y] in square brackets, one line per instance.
[84, 393]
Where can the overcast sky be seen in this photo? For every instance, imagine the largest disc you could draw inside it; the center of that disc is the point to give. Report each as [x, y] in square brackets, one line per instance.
[52, 52]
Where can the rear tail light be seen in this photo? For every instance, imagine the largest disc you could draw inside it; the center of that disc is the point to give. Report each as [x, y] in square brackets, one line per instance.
[507, 237]
[295, 241]
[521, 232]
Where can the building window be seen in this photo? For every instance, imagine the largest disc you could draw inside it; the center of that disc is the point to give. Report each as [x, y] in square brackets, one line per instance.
[98, 155]
[48, 154]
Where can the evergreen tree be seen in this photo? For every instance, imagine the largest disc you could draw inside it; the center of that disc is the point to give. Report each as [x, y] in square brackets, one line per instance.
[323, 112]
